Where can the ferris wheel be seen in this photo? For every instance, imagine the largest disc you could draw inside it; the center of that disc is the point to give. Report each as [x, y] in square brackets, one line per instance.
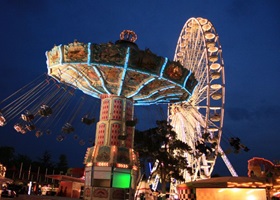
[199, 120]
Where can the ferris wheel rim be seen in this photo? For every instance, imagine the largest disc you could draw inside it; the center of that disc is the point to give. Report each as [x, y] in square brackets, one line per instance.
[213, 63]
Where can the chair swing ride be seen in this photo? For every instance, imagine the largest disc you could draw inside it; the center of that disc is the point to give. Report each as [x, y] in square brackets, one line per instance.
[193, 86]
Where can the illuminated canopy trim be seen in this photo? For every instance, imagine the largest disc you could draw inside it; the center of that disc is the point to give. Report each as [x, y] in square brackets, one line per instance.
[121, 69]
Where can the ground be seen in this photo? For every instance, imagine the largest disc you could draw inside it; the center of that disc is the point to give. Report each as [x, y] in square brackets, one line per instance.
[35, 197]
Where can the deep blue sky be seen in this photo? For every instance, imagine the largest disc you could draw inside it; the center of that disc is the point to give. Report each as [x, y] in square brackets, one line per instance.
[249, 35]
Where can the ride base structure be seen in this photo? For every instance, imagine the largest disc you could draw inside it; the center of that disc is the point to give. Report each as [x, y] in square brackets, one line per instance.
[111, 165]
[121, 75]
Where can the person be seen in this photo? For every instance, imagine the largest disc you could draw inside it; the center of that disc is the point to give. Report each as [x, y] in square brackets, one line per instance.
[142, 196]
[65, 192]
[60, 191]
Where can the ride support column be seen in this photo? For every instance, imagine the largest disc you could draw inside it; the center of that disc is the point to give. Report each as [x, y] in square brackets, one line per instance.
[111, 170]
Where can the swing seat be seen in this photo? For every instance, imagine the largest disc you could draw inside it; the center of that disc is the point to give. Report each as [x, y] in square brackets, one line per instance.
[45, 111]
[27, 117]
[38, 134]
[131, 123]
[60, 138]
[19, 128]
[68, 128]
[88, 121]
[2, 120]
[30, 127]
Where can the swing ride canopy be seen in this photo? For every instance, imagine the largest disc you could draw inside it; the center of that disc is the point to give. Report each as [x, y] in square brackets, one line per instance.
[122, 69]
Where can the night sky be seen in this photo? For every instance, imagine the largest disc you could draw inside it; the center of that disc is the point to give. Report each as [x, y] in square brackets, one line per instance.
[249, 35]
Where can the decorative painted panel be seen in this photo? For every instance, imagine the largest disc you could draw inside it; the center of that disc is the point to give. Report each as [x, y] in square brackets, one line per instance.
[101, 133]
[104, 154]
[115, 131]
[105, 109]
[117, 109]
[123, 156]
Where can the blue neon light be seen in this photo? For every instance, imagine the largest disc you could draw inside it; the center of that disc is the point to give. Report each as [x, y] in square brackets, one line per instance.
[160, 97]
[163, 67]
[186, 79]
[124, 71]
[89, 54]
[148, 77]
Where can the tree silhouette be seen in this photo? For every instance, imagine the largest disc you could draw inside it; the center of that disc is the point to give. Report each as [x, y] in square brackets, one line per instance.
[62, 164]
[161, 144]
[46, 160]
[7, 155]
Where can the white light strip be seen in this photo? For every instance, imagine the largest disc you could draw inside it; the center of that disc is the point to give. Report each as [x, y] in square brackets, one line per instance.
[162, 89]
[144, 84]
[101, 79]
[81, 75]
[170, 95]
[61, 55]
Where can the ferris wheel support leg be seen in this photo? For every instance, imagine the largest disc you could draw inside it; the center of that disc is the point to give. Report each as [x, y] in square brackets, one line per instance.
[227, 162]
[206, 169]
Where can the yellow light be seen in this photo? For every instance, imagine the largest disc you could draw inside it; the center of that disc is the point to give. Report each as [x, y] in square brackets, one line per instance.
[251, 197]
[250, 191]
[235, 189]
[89, 164]
[102, 164]
[121, 165]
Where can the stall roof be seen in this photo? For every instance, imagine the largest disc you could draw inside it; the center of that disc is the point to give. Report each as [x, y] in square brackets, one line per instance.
[5, 180]
[66, 178]
[229, 182]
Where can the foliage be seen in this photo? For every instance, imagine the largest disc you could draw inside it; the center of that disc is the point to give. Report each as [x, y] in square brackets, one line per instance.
[46, 160]
[19, 165]
[7, 155]
[62, 164]
[162, 144]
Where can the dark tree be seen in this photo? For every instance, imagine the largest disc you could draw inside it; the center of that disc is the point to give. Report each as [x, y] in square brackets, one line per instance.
[160, 144]
[21, 158]
[23, 162]
[46, 160]
[7, 155]
[62, 164]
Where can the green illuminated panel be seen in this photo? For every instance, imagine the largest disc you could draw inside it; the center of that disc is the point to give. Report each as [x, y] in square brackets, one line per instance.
[121, 180]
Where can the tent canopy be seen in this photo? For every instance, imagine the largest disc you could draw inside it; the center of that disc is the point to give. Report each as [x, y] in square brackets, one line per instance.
[228, 181]
[66, 178]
